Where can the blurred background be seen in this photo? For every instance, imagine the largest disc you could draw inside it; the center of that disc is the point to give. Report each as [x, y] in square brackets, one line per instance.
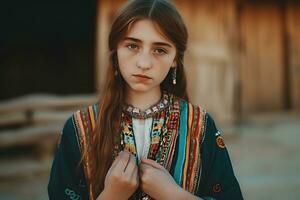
[242, 64]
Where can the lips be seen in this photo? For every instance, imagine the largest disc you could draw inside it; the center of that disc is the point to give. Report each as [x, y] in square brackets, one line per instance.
[141, 76]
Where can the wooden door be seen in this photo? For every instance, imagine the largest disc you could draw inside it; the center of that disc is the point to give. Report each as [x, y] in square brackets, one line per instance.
[293, 52]
[263, 84]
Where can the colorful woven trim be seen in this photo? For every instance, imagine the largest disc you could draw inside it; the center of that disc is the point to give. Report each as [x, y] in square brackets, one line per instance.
[128, 139]
[181, 121]
[187, 167]
[85, 123]
[169, 135]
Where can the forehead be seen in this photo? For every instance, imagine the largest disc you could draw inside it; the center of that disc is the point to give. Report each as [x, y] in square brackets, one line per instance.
[147, 31]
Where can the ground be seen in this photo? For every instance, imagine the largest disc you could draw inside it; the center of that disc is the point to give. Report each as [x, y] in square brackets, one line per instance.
[263, 149]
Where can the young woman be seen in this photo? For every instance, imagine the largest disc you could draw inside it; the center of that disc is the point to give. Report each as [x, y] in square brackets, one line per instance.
[143, 140]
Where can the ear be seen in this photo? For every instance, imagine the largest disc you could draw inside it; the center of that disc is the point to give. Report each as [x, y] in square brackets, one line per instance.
[174, 64]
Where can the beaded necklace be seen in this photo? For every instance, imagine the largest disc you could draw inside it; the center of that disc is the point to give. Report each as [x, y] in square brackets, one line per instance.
[150, 112]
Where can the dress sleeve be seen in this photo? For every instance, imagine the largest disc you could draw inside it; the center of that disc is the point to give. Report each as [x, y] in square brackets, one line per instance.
[67, 176]
[217, 177]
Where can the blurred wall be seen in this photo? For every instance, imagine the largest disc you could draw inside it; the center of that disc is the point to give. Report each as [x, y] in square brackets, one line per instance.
[47, 47]
[242, 56]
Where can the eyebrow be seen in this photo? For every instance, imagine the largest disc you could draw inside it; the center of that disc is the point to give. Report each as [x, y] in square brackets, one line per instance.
[155, 43]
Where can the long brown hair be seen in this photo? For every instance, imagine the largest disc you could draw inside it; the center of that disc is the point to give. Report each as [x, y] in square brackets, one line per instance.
[166, 16]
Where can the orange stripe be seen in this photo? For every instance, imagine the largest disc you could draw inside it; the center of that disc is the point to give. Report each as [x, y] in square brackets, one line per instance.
[196, 150]
[199, 138]
[91, 113]
[87, 156]
[187, 145]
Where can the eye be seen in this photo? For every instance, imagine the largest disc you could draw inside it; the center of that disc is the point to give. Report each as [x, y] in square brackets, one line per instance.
[132, 46]
[160, 51]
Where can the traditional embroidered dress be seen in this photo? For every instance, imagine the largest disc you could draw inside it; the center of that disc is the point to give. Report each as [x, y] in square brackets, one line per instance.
[183, 139]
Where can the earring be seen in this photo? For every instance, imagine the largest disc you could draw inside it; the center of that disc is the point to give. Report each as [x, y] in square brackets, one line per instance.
[174, 76]
[116, 72]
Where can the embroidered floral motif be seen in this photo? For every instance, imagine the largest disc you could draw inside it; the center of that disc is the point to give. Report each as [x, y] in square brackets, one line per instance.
[72, 195]
[128, 139]
[157, 125]
[127, 134]
[219, 140]
[217, 188]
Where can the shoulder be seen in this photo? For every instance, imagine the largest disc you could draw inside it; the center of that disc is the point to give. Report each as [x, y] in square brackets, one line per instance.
[201, 116]
[205, 117]
[188, 106]
[82, 120]
[85, 118]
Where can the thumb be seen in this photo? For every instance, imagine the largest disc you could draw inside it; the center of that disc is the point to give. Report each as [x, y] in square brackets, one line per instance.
[152, 163]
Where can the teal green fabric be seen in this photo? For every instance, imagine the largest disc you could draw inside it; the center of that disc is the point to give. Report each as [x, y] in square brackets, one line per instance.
[216, 168]
[67, 179]
[182, 142]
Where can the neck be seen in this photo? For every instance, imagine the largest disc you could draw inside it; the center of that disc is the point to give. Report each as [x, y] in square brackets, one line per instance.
[143, 100]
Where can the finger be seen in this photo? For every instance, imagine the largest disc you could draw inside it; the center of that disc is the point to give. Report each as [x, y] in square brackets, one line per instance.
[130, 166]
[135, 174]
[143, 167]
[118, 158]
[122, 163]
[128, 161]
[152, 163]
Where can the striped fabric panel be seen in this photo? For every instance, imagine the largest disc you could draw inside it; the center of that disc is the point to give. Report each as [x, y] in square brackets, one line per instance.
[188, 139]
[169, 134]
[182, 143]
[85, 121]
[195, 167]
[187, 166]
[195, 150]
[173, 131]
[202, 127]
[92, 116]
[192, 146]
[96, 110]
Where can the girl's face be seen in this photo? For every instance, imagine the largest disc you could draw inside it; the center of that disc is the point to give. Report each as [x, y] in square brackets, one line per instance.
[145, 56]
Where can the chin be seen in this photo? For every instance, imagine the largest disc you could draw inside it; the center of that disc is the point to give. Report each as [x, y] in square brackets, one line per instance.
[140, 88]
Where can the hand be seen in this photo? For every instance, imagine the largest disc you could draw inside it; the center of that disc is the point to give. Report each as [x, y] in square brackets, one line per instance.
[154, 179]
[122, 180]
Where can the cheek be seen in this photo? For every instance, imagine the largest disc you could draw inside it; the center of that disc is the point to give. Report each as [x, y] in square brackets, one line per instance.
[164, 64]
[125, 54]
[125, 60]
[122, 58]
[167, 60]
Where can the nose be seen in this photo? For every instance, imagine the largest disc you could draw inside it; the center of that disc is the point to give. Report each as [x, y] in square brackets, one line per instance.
[144, 61]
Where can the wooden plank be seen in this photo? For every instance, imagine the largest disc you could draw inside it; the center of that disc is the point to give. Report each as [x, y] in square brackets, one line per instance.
[50, 117]
[31, 135]
[210, 60]
[262, 73]
[45, 102]
[105, 16]
[10, 119]
[293, 30]
[16, 168]
[35, 117]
